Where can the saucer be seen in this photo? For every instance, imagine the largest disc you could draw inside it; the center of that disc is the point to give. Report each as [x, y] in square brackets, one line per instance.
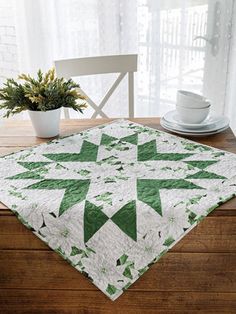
[195, 133]
[173, 118]
[207, 128]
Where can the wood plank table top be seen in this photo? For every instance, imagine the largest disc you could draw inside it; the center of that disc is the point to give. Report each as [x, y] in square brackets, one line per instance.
[198, 275]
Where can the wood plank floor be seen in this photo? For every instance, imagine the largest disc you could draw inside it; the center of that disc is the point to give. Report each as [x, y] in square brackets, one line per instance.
[197, 276]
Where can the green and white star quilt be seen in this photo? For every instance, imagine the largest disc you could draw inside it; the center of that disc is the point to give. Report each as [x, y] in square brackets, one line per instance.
[113, 199]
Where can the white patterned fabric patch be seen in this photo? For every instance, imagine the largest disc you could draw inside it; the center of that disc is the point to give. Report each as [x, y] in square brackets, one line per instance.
[113, 199]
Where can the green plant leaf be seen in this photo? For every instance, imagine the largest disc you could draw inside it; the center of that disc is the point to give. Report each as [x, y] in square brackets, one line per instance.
[43, 93]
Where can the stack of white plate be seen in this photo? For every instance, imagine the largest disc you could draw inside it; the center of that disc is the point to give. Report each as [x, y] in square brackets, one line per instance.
[212, 125]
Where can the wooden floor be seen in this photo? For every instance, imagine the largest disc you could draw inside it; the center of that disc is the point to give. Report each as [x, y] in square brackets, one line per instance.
[197, 276]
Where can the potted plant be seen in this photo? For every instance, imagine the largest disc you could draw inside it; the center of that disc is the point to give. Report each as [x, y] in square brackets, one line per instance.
[43, 97]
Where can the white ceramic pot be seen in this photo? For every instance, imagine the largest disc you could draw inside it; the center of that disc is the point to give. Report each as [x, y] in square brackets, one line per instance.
[191, 100]
[192, 115]
[46, 123]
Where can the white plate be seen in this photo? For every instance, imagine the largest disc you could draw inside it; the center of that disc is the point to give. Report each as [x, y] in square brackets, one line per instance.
[208, 128]
[173, 118]
[193, 134]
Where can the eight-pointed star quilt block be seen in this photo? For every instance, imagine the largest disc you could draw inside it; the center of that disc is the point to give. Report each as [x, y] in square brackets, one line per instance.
[113, 199]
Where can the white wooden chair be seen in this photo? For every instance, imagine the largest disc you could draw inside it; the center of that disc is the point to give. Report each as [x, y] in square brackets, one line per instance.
[122, 64]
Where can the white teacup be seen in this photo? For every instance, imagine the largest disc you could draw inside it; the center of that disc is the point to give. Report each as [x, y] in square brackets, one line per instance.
[192, 115]
[191, 100]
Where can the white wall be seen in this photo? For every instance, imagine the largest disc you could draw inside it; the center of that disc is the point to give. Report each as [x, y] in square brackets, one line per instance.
[8, 43]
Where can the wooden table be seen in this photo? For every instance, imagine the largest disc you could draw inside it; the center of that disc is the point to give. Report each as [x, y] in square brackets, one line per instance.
[197, 276]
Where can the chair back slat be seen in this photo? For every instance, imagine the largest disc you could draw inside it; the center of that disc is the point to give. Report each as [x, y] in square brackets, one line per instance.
[96, 65]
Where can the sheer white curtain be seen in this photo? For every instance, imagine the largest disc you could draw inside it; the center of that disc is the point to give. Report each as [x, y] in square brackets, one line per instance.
[230, 108]
[162, 32]
[72, 29]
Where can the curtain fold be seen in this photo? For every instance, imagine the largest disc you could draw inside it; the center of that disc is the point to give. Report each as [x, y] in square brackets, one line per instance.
[230, 107]
[36, 34]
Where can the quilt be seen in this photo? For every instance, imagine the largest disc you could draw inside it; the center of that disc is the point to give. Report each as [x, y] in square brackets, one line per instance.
[114, 199]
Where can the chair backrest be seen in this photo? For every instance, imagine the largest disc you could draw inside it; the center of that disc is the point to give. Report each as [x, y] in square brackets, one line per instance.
[122, 64]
